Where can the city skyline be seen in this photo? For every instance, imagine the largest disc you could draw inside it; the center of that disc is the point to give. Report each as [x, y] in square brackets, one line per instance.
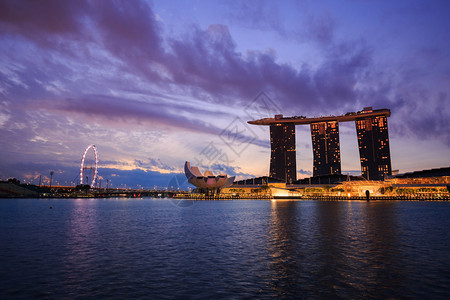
[155, 84]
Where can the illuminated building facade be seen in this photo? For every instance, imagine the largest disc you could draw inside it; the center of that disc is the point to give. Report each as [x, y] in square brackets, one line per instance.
[283, 155]
[326, 150]
[373, 142]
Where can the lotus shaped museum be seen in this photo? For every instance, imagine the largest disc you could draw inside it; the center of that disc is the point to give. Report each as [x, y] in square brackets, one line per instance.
[208, 180]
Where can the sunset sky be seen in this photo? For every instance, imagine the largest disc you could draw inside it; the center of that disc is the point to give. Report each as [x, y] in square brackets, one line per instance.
[155, 83]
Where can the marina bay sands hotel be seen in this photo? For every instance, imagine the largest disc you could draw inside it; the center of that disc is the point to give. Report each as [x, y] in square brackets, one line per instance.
[373, 142]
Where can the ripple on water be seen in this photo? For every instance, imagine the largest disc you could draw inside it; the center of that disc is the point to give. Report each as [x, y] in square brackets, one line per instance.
[223, 249]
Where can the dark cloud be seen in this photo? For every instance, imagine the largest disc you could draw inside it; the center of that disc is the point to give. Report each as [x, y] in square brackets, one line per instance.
[117, 111]
[130, 32]
[206, 61]
[304, 172]
[37, 20]
[336, 79]
[429, 122]
[151, 163]
[121, 111]
[221, 70]
[229, 170]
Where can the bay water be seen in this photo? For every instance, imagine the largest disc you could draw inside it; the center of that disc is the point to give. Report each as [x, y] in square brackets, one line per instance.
[240, 249]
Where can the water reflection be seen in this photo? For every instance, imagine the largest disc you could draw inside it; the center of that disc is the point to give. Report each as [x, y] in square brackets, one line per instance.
[224, 249]
[284, 247]
[386, 264]
[329, 260]
[334, 249]
[81, 241]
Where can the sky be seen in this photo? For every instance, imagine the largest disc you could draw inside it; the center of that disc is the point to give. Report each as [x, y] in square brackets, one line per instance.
[153, 84]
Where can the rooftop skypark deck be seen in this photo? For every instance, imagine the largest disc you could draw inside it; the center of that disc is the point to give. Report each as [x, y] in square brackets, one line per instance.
[303, 120]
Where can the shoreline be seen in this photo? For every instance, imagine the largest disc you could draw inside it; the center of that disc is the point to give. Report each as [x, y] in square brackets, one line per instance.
[243, 197]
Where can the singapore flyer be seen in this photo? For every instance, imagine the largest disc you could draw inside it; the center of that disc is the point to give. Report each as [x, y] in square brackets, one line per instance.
[93, 169]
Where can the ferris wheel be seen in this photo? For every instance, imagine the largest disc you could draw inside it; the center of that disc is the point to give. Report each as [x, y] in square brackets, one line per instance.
[94, 169]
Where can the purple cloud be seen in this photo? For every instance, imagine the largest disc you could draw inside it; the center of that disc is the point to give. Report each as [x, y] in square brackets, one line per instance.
[112, 64]
[203, 61]
[38, 20]
[256, 15]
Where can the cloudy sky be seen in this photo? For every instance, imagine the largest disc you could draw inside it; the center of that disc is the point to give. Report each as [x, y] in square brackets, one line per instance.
[155, 83]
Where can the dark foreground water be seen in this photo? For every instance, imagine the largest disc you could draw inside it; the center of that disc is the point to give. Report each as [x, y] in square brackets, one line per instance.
[159, 249]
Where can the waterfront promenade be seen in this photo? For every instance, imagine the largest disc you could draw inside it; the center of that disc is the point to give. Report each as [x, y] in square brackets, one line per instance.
[438, 191]
[317, 197]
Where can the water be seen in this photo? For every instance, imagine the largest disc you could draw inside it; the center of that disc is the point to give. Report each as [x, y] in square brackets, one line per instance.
[159, 249]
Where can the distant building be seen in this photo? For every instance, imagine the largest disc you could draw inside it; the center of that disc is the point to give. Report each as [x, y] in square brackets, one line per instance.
[373, 142]
[283, 154]
[326, 151]
[263, 180]
[328, 179]
[439, 172]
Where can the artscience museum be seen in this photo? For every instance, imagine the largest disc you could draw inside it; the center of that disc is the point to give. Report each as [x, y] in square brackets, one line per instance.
[208, 182]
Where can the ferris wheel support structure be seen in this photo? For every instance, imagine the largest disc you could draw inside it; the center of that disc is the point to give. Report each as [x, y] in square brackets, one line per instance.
[82, 168]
